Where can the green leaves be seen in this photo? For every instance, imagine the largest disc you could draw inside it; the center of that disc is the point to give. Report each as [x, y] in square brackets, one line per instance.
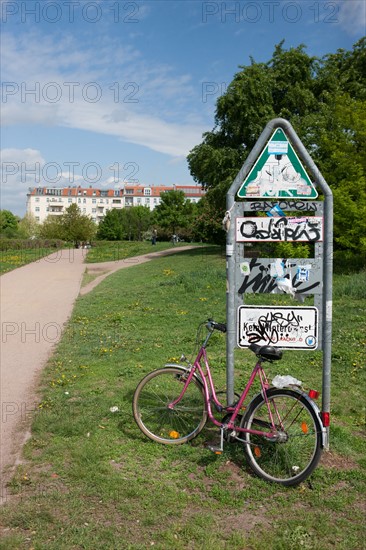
[325, 101]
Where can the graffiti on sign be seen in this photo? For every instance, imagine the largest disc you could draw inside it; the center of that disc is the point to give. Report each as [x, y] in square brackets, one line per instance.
[300, 206]
[293, 276]
[284, 327]
[307, 228]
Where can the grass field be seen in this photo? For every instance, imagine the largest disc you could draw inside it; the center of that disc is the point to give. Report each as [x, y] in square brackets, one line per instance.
[92, 480]
[109, 251]
[11, 259]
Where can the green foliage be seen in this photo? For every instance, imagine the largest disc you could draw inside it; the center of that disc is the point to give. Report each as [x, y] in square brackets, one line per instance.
[174, 211]
[325, 101]
[128, 223]
[71, 226]
[8, 224]
[28, 227]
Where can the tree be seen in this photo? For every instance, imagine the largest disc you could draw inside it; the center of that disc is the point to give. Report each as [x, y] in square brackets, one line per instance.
[28, 226]
[51, 228]
[110, 228]
[76, 226]
[128, 223]
[135, 221]
[70, 226]
[325, 101]
[174, 211]
[8, 224]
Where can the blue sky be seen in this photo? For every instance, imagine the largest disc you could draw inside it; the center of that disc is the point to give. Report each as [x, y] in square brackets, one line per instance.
[108, 91]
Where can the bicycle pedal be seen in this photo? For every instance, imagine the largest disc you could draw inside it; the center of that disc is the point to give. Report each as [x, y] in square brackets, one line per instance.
[216, 450]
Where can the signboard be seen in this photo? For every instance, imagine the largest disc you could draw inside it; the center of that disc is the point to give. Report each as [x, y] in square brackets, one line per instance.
[278, 173]
[306, 228]
[279, 326]
[294, 276]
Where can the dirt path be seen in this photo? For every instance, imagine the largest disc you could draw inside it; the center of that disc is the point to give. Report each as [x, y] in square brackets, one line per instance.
[36, 302]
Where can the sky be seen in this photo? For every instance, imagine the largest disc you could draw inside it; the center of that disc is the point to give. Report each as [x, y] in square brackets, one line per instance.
[107, 92]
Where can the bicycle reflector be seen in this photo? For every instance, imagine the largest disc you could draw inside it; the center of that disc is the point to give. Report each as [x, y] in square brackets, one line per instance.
[173, 434]
[326, 419]
[313, 394]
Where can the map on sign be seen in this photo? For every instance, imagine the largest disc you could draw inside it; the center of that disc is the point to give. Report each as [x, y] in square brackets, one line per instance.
[278, 173]
[279, 326]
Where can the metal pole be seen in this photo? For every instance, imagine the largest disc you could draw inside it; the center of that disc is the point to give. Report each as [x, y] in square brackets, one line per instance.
[230, 258]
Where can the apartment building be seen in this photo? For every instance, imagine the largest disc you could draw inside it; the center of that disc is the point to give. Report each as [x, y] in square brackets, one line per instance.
[44, 201]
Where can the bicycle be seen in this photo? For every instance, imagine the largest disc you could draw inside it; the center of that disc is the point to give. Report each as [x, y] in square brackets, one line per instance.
[281, 429]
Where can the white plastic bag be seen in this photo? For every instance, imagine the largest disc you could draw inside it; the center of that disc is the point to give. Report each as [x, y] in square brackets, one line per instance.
[283, 381]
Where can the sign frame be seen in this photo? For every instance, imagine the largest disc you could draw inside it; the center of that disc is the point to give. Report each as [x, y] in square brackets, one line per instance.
[324, 302]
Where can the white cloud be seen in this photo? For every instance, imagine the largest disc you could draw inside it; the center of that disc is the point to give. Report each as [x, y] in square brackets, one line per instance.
[19, 169]
[352, 16]
[63, 84]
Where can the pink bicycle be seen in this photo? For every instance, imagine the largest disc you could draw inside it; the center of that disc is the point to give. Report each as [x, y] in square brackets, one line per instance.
[281, 429]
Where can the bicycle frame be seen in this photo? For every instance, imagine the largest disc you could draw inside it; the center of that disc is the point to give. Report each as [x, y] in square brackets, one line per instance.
[205, 373]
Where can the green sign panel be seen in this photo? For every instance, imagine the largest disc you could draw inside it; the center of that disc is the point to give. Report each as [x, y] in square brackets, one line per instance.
[278, 173]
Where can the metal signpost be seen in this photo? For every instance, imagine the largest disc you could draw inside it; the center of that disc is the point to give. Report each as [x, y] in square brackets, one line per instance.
[274, 181]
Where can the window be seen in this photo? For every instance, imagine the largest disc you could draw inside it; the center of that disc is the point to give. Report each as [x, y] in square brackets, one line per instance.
[147, 191]
[37, 208]
[94, 210]
[69, 199]
[94, 201]
[37, 199]
[116, 201]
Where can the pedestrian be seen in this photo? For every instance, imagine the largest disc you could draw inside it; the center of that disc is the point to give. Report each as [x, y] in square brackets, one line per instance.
[154, 236]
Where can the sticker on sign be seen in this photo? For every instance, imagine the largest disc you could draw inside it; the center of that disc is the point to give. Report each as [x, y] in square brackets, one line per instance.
[279, 326]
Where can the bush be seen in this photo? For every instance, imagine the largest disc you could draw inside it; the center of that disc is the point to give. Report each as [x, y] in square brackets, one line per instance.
[21, 244]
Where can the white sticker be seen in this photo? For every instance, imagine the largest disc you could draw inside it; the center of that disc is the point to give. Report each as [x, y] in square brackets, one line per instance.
[245, 268]
[328, 310]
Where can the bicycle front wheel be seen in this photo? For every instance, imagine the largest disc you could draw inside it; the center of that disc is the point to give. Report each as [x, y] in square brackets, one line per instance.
[293, 452]
[154, 417]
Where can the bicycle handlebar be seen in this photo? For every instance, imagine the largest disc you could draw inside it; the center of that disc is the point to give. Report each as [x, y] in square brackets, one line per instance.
[212, 325]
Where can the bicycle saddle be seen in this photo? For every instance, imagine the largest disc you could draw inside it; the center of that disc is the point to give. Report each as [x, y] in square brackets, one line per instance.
[266, 352]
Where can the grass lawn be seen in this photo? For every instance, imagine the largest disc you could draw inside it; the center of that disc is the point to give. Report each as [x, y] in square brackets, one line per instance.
[92, 480]
[11, 259]
[107, 251]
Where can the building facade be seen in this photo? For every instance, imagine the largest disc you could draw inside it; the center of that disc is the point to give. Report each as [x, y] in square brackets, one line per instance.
[45, 201]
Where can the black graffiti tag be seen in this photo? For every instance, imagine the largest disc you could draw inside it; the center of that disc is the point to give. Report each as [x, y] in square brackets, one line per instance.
[282, 229]
[271, 326]
[300, 206]
[264, 282]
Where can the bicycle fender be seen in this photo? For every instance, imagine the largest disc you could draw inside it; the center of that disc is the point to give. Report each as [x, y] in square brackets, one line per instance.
[184, 368]
[316, 409]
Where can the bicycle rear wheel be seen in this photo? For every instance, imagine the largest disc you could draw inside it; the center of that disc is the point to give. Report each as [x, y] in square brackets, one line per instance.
[152, 414]
[294, 452]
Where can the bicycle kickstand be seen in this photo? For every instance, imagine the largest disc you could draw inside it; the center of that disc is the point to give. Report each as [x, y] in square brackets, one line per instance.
[215, 449]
